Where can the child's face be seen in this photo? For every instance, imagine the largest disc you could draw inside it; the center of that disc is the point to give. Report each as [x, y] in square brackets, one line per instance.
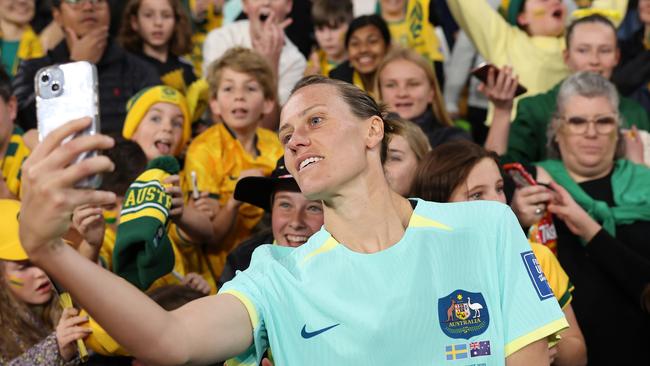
[401, 163]
[160, 131]
[255, 8]
[592, 47]
[543, 17]
[7, 117]
[83, 17]
[240, 100]
[294, 218]
[484, 182]
[366, 49]
[644, 11]
[405, 87]
[17, 11]
[154, 22]
[393, 6]
[331, 40]
[27, 283]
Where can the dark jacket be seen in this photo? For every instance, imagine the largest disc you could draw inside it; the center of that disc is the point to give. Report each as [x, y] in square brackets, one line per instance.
[633, 71]
[609, 274]
[343, 71]
[176, 72]
[240, 258]
[121, 75]
[436, 132]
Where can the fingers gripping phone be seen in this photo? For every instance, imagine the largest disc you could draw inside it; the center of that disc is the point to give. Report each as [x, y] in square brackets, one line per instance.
[481, 73]
[519, 175]
[64, 93]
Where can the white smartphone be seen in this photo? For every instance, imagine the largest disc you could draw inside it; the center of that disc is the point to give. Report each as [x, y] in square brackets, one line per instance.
[66, 92]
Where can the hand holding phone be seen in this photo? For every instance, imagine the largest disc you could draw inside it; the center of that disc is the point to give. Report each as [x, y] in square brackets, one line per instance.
[482, 71]
[64, 93]
[519, 175]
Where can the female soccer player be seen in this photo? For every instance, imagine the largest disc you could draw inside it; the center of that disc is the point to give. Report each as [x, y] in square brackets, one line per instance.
[385, 281]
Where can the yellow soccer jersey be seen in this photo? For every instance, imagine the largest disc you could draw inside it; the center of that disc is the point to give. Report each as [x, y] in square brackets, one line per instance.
[12, 162]
[324, 65]
[217, 157]
[416, 32]
[192, 256]
[557, 278]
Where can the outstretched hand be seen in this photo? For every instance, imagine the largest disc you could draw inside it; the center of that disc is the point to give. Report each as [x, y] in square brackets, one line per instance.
[48, 179]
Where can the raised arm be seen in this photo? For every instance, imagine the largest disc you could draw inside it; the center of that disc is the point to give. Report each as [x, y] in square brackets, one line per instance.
[487, 29]
[204, 331]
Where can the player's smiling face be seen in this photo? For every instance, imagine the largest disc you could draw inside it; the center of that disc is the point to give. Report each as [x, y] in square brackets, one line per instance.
[325, 144]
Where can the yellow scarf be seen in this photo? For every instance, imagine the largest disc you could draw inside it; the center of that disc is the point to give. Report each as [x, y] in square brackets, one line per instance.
[12, 162]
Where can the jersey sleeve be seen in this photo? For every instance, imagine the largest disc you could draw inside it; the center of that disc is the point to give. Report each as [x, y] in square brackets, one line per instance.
[531, 311]
[555, 274]
[247, 288]
[487, 29]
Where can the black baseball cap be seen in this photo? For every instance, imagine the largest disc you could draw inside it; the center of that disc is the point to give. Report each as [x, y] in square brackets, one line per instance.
[258, 191]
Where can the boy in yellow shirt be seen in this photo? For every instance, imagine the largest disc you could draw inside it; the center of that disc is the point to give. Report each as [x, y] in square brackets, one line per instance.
[242, 92]
[331, 19]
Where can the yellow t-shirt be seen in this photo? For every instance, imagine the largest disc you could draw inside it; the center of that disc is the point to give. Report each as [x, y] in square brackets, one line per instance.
[11, 164]
[217, 157]
[416, 32]
[536, 60]
[557, 278]
[324, 65]
[192, 256]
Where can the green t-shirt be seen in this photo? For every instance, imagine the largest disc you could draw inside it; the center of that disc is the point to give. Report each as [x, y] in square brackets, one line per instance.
[8, 50]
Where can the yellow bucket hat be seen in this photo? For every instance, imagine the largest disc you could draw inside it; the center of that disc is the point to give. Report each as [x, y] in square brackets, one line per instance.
[10, 248]
[140, 103]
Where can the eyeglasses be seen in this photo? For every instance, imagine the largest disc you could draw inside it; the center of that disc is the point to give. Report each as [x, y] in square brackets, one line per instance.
[578, 125]
[78, 3]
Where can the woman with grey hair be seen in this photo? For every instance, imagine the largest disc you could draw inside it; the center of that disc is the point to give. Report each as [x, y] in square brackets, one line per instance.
[602, 209]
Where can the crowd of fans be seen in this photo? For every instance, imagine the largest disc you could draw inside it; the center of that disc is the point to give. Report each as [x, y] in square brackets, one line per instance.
[326, 128]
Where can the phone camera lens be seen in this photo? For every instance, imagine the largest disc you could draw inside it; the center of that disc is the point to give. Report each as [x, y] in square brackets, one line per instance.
[56, 87]
[45, 78]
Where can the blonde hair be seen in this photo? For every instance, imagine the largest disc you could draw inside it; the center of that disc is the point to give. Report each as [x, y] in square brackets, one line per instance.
[401, 53]
[411, 132]
[247, 61]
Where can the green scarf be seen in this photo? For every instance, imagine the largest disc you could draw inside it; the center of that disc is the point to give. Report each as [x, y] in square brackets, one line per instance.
[631, 188]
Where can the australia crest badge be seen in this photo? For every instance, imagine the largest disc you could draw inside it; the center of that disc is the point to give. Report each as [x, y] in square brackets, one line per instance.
[463, 314]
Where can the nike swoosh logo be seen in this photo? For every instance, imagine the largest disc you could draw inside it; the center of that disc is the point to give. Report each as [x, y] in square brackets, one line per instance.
[305, 334]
